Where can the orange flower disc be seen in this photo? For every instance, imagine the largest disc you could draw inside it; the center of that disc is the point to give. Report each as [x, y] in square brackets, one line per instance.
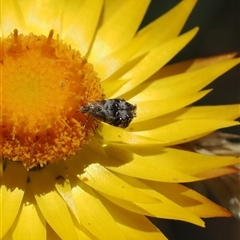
[43, 85]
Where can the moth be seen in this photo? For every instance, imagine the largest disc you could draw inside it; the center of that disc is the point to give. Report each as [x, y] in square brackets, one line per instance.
[116, 112]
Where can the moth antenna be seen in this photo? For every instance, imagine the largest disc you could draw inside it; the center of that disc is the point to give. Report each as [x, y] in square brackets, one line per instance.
[86, 122]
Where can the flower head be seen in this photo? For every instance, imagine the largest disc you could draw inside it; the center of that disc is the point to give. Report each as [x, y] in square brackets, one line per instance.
[44, 83]
[66, 173]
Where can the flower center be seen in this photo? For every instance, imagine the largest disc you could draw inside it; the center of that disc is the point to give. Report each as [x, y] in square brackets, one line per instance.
[43, 85]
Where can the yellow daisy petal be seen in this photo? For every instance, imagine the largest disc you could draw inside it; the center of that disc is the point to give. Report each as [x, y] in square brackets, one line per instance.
[134, 164]
[9, 20]
[150, 109]
[225, 112]
[83, 234]
[194, 163]
[189, 199]
[80, 33]
[174, 132]
[218, 172]
[190, 82]
[91, 218]
[158, 31]
[133, 225]
[110, 89]
[12, 191]
[96, 177]
[120, 135]
[8, 236]
[155, 59]
[165, 209]
[191, 65]
[110, 8]
[112, 35]
[52, 206]
[65, 190]
[51, 234]
[30, 214]
[31, 16]
[127, 163]
[112, 62]
[155, 209]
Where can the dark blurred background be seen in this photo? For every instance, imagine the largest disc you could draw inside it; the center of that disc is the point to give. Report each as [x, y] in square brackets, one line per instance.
[219, 22]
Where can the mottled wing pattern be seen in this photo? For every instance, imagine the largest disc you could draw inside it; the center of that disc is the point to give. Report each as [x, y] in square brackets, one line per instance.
[116, 112]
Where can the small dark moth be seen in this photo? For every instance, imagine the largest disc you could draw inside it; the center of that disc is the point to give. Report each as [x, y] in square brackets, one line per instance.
[116, 111]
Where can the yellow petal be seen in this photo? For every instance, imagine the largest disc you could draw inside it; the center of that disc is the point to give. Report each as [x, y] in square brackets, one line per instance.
[158, 31]
[8, 236]
[93, 216]
[13, 183]
[226, 190]
[11, 17]
[218, 172]
[167, 165]
[150, 167]
[154, 60]
[227, 112]
[81, 31]
[110, 87]
[190, 82]
[118, 30]
[171, 132]
[51, 234]
[70, 13]
[62, 184]
[133, 225]
[125, 162]
[151, 109]
[83, 233]
[74, 167]
[108, 65]
[193, 163]
[102, 180]
[119, 135]
[37, 19]
[165, 208]
[167, 174]
[30, 222]
[190, 65]
[80, 230]
[110, 8]
[189, 199]
[52, 206]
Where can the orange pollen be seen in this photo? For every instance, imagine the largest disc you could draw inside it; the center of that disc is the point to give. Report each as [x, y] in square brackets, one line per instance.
[44, 83]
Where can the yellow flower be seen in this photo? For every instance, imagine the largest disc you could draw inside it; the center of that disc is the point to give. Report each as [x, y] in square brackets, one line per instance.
[54, 181]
